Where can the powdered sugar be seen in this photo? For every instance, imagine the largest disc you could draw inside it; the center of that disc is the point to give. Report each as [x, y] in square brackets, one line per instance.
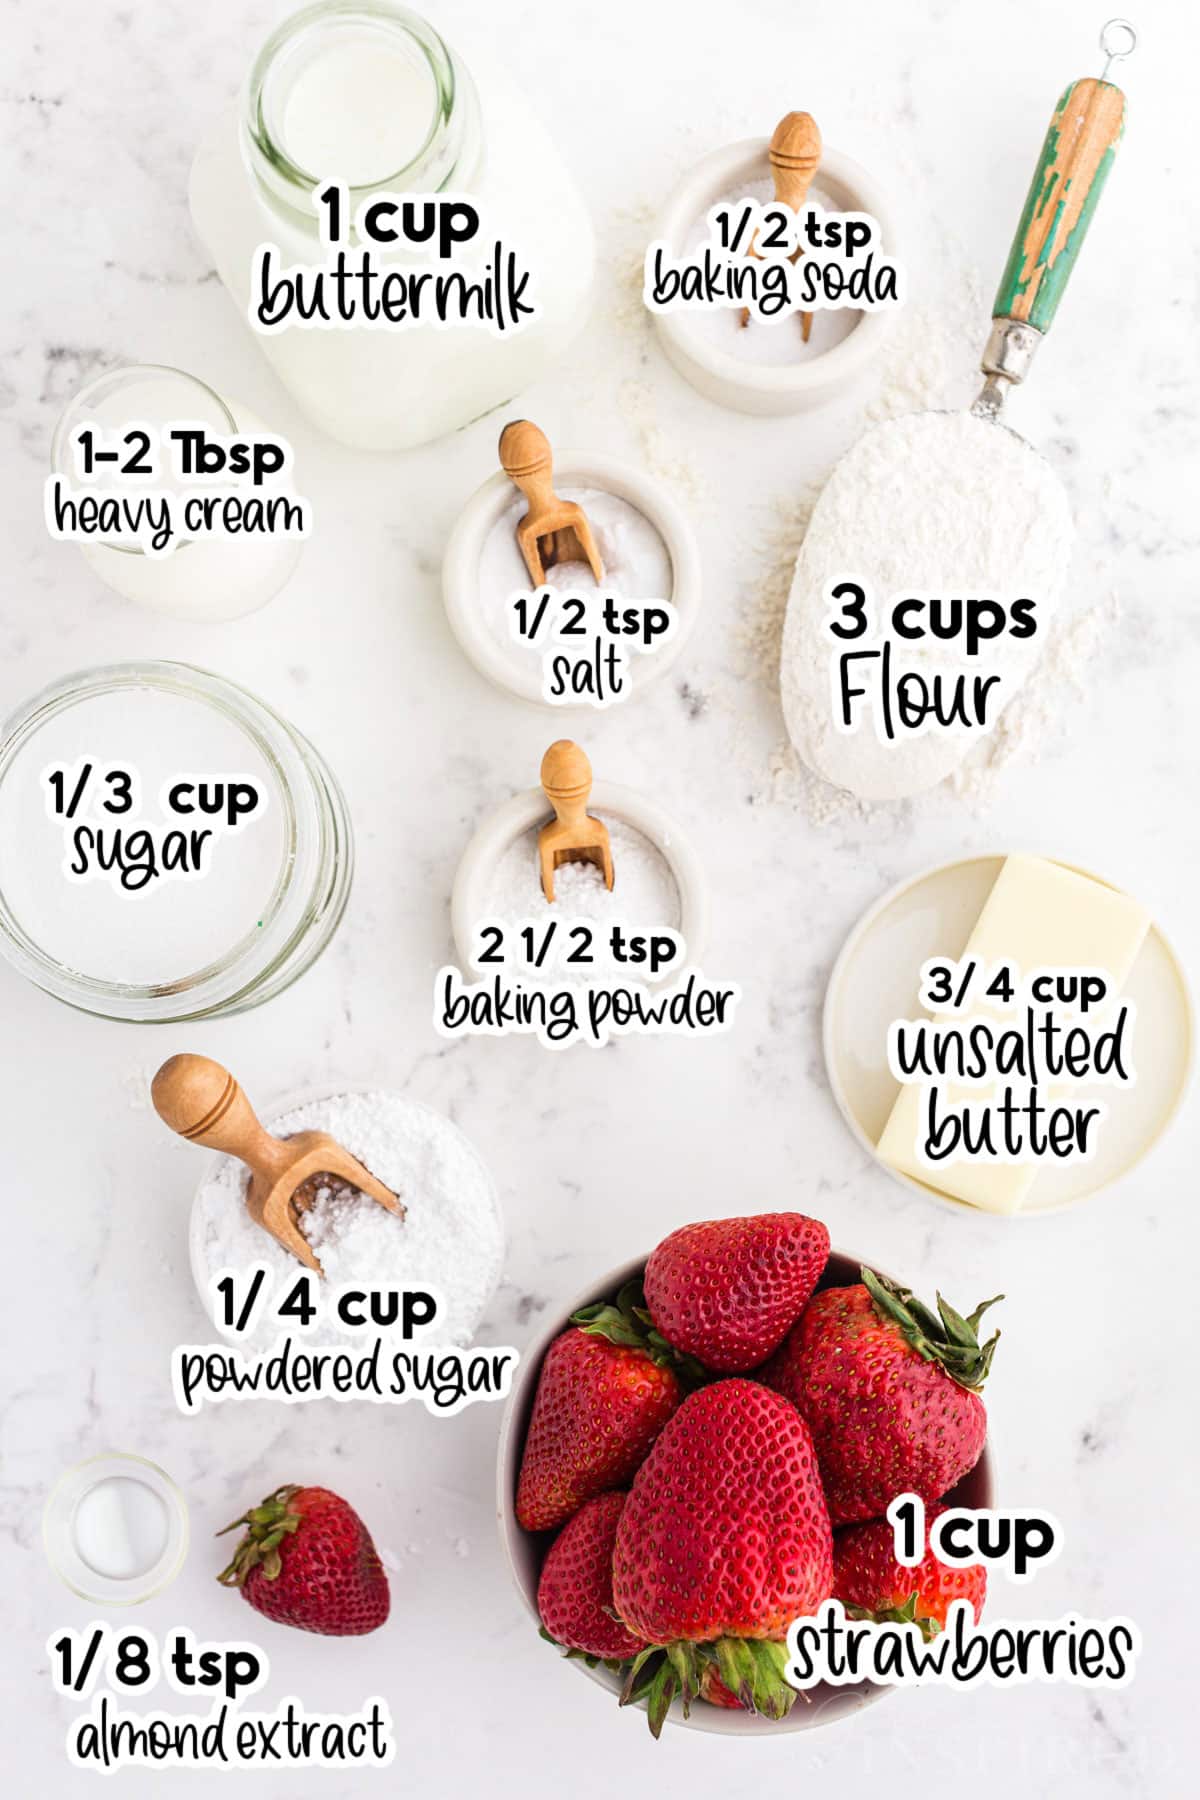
[451, 1239]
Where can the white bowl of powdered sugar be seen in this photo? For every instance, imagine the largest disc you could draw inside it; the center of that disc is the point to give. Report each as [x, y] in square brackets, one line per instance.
[449, 1242]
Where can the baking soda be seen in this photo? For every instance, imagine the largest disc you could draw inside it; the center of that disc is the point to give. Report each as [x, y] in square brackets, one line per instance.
[770, 342]
[450, 1240]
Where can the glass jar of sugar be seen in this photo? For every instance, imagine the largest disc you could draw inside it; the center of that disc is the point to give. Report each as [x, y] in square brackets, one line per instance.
[217, 575]
[369, 95]
[170, 848]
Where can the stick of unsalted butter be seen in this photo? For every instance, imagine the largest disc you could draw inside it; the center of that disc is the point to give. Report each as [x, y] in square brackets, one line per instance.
[1038, 915]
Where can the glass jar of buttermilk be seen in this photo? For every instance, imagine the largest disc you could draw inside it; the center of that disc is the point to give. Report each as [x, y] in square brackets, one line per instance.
[96, 906]
[368, 94]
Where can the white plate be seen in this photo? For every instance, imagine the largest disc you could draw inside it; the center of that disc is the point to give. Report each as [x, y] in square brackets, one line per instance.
[875, 980]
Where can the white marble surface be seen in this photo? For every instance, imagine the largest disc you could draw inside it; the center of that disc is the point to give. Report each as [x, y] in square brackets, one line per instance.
[598, 1154]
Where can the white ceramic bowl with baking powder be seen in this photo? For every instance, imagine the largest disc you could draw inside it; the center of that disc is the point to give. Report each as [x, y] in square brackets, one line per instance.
[502, 828]
[572, 469]
[525, 1551]
[775, 388]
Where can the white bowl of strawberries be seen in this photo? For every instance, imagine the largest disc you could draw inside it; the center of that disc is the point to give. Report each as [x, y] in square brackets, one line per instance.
[702, 1449]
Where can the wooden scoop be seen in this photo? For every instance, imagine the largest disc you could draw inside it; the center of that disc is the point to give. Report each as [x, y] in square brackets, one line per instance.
[794, 156]
[202, 1102]
[573, 835]
[553, 530]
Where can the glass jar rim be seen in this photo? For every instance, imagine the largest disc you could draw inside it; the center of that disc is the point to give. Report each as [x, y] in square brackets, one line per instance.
[62, 1502]
[97, 387]
[411, 25]
[251, 715]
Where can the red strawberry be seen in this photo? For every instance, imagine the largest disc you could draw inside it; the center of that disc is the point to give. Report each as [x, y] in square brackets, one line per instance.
[713, 1689]
[598, 1408]
[728, 1290]
[307, 1560]
[575, 1592]
[890, 1393]
[724, 1540]
[868, 1579]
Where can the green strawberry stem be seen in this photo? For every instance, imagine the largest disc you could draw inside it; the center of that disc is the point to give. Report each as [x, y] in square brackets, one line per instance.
[946, 1338]
[906, 1614]
[627, 1322]
[751, 1668]
[266, 1527]
[614, 1663]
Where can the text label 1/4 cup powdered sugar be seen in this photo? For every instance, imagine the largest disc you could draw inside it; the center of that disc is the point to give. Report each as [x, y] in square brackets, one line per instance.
[451, 1239]
[644, 897]
[932, 503]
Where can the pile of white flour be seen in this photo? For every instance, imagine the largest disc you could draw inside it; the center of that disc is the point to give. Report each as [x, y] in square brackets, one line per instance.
[451, 1239]
[942, 503]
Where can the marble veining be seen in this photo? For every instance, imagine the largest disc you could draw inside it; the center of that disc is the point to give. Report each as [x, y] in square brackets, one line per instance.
[596, 1155]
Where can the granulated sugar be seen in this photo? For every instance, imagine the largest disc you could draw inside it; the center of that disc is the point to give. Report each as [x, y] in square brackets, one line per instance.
[644, 896]
[451, 1239]
[941, 503]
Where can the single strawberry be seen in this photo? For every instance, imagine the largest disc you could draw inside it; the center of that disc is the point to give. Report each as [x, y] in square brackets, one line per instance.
[575, 1594]
[598, 1408]
[727, 1291]
[723, 1541]
[870, 1583]
[307, 1560]
[890, 1393]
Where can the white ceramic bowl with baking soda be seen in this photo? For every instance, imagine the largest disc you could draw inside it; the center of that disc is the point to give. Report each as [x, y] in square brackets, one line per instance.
[526, 1551]
[767, 388]
[517, 670]
[526, 811]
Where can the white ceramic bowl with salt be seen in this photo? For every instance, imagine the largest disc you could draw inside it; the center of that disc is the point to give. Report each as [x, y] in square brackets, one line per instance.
[751, 386]
[452, 1238]
[502, 829]
[518, 671]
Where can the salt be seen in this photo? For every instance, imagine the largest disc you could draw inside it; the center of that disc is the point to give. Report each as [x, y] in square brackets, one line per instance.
[637, 566]
[644, 897]
[451, 1239]
[769, 342]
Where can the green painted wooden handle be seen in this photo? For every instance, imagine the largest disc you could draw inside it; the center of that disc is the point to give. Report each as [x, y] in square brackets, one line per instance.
[1071, 172]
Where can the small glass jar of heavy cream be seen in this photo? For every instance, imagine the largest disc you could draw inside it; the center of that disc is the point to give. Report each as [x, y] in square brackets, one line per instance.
[112, 897]
[369, 95]
[219, 575]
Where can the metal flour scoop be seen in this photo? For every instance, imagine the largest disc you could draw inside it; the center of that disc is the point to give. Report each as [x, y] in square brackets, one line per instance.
[948, 504]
